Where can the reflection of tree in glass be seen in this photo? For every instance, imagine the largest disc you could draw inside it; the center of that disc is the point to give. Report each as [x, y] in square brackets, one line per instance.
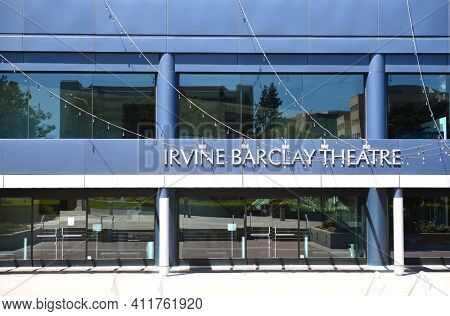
[268, 116]
[17, 117]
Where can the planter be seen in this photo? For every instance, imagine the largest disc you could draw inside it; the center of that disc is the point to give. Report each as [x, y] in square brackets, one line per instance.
[332, 240]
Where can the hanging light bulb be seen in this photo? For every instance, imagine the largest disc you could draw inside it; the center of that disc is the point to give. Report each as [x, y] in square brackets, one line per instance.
[108, 127]
[123, 134]
[79, 113]
[51, 96]
[39, 88]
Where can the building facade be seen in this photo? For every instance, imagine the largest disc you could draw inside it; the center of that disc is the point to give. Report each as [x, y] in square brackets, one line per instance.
[171, 132]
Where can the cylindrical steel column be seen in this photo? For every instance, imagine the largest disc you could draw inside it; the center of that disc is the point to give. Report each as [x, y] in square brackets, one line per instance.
[166, 218]
[399, 254]
[376, 128]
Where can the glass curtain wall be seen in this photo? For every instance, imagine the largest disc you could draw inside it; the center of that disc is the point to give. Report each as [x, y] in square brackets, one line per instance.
[263, 228]
[211, 228]
[409, 115]
[27, 110]
[97, 228]
[426, 227]
[60, 227]
[120, 228]
[15, 229]
[257, 105]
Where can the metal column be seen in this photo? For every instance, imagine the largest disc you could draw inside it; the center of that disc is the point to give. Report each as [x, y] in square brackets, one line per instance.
[399, 254]
[376, 128]
[167, 110]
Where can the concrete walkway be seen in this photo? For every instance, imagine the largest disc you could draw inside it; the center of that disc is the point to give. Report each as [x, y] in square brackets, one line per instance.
[294, 280]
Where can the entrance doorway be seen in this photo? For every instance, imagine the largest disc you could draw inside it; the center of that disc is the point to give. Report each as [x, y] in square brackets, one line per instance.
[264, 228]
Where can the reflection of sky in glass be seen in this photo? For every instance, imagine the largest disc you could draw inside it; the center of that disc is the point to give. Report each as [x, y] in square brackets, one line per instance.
[330, 92]
[43, 100]
[436, 82]
[40, 98]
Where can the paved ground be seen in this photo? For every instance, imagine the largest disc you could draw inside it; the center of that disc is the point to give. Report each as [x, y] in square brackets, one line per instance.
[295, 280]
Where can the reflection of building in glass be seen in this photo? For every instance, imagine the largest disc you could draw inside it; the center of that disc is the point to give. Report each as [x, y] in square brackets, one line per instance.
[128, 107]
[236, 106]
[343, 125]
[72, 125]
[409, 114]
[329, 120]
[357, 116]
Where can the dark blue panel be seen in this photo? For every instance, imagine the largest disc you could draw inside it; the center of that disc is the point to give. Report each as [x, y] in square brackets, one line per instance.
[58, 44]
[44, 156]
[136, 16]
[15, 58]
[281, 17]
[408, 63]
[59, 58]
[59, 17]
[338, 63]
[11, 16]
[201, 17]
[424, 157]
[430, 18]
[111, 156]
[342, 45]
[281, 63]
[341, 18]
[59, 62]
[125, 62]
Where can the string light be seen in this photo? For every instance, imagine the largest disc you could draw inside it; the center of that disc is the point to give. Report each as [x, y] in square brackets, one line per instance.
[179, 95]
[424, 91]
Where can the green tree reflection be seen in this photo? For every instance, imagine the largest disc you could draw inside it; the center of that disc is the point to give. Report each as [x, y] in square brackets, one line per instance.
[18, 119]
[268, 115]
